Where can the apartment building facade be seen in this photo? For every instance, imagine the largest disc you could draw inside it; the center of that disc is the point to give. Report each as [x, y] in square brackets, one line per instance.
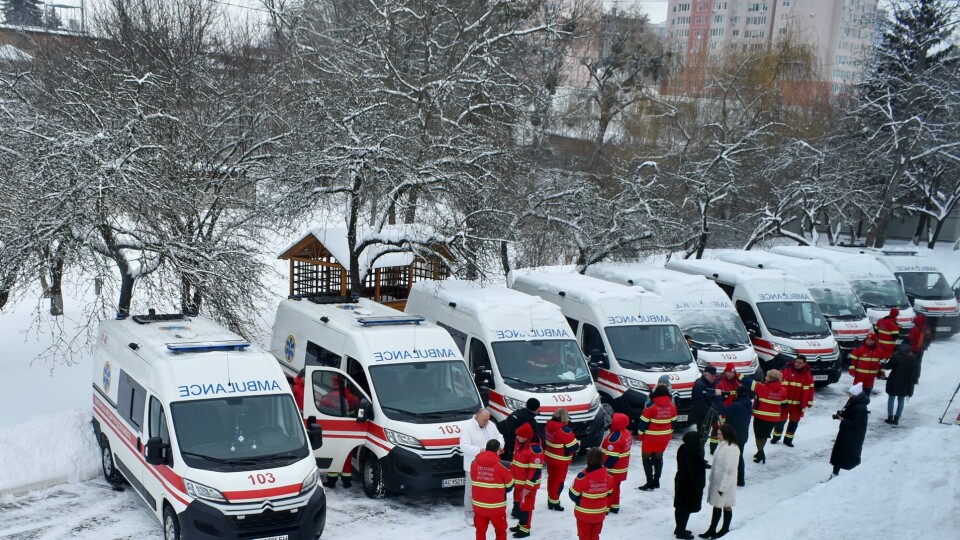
[843, 32]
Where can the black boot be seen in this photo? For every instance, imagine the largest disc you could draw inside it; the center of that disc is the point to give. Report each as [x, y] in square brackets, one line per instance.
[648, 472]
[775, 439]
[515, 513]
[727, 516]
[896, 420]
[657, 471]
[714, 521]
[889, 420]
[346, 481]
[330, 482]
[681, 517]
[788, 442]
[713, 448]
[760, 457]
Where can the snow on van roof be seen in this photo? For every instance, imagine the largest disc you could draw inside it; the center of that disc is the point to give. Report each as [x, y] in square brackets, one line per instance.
[853, 266]
[812, 272]
[909, 263]
[722, 270]
[581, 287]
[152, 338]
[493, 305]
[347, 313]
[683, 292]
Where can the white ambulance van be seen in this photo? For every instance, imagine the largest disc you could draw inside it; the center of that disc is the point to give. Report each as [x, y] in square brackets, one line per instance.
[204, 427]
[699, 306]
[391, 391]
[830, 290]
[518, 347]
[778, 312]
[875, 285]
[627, 331]
[924, 284]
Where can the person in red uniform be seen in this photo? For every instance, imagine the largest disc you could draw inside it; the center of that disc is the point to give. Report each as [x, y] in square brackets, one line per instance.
[616, 451]
[345, 403]
[527, 467]
[766, 409]
[562, 445]
[887, 333]
[798, 384]
[590, 493]
[297, 388]
[865, 362]
[920, 337]
[655, 430]
[728, 383]
[491, 482]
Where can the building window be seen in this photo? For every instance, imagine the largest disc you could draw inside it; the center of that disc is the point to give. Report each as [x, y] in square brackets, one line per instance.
[682, 7]
[716, 32]
[717, 19]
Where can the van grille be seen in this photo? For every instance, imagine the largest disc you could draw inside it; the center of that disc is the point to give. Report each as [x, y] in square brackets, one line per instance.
[266, 520]
[445, 465]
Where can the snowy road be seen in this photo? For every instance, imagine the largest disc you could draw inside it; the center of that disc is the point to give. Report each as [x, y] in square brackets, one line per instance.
[791, 477]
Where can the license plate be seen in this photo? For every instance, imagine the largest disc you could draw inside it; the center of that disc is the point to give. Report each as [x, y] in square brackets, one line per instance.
[278, 537]
[821, 377]
[944, 329]
[452, 482]
[682, 418]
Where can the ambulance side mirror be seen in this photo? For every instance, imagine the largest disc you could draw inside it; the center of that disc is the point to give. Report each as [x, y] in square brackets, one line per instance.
[156, 451]
[483, 378]
[365, 412]
[599, 358]
[752, 328]
[314, 432]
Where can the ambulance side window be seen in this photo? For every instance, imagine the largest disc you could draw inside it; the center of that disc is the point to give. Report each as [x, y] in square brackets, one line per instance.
[479, 359]
[158, 421]
[574, 324]
[334, 395]
[746, 313]
[318, 356]
[591, 340]
[355, 371]
[131, 400]
[460, 338]
[727, 289]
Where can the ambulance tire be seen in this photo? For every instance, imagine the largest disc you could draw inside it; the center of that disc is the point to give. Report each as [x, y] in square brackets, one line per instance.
[372, 476]
[110, 472]
[171, 524]
[606, 405]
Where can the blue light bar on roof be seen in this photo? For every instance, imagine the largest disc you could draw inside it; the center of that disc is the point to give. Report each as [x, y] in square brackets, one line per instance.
[384, 321]
[208, 346]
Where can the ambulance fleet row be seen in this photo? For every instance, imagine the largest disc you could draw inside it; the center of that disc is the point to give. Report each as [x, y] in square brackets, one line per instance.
[204, 427]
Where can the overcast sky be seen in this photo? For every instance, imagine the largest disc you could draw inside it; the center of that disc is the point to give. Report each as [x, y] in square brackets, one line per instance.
[656, 9]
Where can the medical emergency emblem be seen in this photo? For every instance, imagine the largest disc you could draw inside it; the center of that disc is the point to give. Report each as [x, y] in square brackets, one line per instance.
[107, 375]
[289, 348]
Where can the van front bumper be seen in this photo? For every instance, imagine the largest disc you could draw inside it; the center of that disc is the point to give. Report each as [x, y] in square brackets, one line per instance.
[405, 471]
[202, 521]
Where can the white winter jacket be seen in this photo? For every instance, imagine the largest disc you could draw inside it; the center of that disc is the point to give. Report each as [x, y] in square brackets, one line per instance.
[473, 440]
[723, 476]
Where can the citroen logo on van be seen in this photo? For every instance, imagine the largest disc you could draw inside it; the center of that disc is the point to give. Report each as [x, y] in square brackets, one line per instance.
[107, 375]
[289, 348]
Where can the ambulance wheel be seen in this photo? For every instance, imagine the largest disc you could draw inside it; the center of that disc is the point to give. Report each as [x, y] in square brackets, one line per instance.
[171, 524]
[372, 476]
[607, 407]
[110, 472]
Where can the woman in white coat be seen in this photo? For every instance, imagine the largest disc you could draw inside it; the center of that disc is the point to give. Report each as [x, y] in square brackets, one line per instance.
[723, 482]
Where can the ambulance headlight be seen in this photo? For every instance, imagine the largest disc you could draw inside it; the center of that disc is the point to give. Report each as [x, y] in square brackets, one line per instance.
[594, 404]
[634, 384]
[401, 439]
[514, 404]
[200, 491]
[785, 349]
[702, 364]
[310, 481]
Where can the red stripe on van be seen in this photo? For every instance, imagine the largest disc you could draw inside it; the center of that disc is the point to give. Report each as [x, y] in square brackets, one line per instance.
[815, 351]
[262, 493]
[681, 385]
[609, 376]
[452, 441]
[569, 408]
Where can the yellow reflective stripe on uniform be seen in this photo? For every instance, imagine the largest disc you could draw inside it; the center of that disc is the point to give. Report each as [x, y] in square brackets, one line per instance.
[527, 465]
[616, 471]
[765, 413]
[595, 495]
[554, 445]
[867, 371]
[658, 432]
[572, 443]
[771, 401]
[490, 505]
[575, 492]
[559, 458]
[591, 510]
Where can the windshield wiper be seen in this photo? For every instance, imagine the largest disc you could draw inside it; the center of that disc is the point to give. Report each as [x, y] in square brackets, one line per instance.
[734, 346]
[521, 381]
[219, 460]
[278, 456]
[404, 411]
[628, 361]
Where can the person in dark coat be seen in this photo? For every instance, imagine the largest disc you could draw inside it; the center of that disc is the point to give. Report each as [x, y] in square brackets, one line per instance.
[904, 366]
[689, 483]
[853, 429]
[738, 415]
[919, 338]
[526, 415]
[702, 401]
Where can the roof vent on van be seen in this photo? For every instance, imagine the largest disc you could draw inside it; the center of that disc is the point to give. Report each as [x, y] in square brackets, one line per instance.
[158, 317]
[385, 321]
[562, 293]
[208, 346]
[323, 299]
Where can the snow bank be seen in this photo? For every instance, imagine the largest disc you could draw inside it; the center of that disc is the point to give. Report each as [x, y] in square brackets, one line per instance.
[47, 450]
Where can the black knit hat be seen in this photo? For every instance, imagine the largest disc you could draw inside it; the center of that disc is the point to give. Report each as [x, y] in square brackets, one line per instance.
[533, 404]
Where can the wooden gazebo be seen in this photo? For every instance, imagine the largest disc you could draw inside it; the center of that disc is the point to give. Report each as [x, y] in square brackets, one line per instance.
[319, 266]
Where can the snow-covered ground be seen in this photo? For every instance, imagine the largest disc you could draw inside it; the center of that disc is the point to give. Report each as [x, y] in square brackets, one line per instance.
[907, 486]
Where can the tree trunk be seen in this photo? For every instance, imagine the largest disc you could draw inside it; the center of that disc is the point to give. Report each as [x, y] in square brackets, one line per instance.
[704, 236]
[56, 287]
[876, 234]
[920, 232]
[936, 233]
[410, 212]
[505, 262]
[126, 292]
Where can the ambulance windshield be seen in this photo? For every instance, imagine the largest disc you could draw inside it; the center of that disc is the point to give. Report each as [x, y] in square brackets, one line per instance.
[644, 346]
[925, 285]
[794, 320]
[425, 392]
[239, 433]
[715, 329]
[838, 303]
[880, 293]
[542, 364]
